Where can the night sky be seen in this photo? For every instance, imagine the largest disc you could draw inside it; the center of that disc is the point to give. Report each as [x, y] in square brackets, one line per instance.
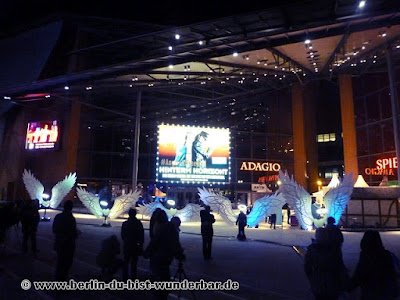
[17, 12]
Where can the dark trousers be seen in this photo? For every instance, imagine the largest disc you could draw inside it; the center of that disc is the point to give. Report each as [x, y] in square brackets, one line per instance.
[130, 262]
[207, 243]
[29, 235]
[64, 261]
[241, 230]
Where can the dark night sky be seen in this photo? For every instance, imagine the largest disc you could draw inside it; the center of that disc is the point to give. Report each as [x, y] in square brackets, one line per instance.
[172, 12]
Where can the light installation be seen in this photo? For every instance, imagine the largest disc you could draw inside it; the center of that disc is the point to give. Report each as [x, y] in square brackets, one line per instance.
[103, 207]
[335, 200]
[190, 213]
[188, 154]
[262, 207]
[36, 190]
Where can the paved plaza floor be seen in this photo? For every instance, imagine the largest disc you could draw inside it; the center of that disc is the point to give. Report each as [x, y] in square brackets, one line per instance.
[269, 265]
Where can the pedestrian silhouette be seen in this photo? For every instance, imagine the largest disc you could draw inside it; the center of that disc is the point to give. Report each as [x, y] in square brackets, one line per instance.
[324, 268]
[153, 219]
[375, 272]
[64, 228]
[132, 234]
[335, 234]
[241, 222]
[108, 259]
[272, 218]
[30, 219]
[207, 232]
[162, 249]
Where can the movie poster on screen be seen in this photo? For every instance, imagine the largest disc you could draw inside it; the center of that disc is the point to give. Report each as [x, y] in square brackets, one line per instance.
[42, 135]
[193, 154]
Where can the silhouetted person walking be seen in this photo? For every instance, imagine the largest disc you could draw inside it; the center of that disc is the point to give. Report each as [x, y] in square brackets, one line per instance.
[324, 268]
[241, 222]
[30, 219]
[132, 234]
[273, 220]
[64, 228]
[207, 232]
[375, 271]
[335, 234]
[162, 249]
[153, 219]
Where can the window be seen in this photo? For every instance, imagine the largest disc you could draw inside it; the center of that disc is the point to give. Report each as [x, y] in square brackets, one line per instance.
[326, 137]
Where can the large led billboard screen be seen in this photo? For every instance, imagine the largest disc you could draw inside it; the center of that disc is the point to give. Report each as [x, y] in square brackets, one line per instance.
[193, 154]
[42, 135]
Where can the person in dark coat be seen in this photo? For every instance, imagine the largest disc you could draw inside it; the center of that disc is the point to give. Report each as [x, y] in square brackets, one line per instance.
[162, 249]
[334, 232]
[207, 232]
[30, 219]
[241, 222]
[153, 220]
[108, 259]
[375, 271]
[65, 231]
[132, 234]
[273, 221]
[324, 268]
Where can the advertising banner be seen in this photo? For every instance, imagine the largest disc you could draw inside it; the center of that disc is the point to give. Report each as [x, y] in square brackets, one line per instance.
[42, 135]
[193, 154]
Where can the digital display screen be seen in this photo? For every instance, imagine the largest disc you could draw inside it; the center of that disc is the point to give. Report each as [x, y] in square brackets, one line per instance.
[193, 154]
[42, 135]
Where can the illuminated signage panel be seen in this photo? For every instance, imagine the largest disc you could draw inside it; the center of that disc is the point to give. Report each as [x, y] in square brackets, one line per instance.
[42, 135]
[193, 154]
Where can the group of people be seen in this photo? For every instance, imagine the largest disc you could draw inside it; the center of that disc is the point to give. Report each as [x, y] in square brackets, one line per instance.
[329, 277]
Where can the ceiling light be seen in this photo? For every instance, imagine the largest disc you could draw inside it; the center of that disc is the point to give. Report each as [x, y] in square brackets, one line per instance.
[361, 4]
[201, 43]
[307, 42]
[177, 36]
[170, 48]
[171, 66]
[66, 87]
[235, 54]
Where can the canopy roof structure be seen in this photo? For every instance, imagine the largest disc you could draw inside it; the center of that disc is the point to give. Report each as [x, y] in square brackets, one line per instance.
[199, 69]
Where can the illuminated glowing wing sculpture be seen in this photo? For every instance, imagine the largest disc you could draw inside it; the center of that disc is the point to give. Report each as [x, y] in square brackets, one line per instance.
[34, 187]
[264, 207]
[336, 199]
[61, 189]
[91, 201]
[123, 203]
[297, 198]
[148, 209]
[190, 213]
[219, 204]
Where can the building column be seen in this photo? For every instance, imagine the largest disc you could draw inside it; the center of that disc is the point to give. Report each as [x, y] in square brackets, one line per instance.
[299, 145]
[73, 137]
[348, 125]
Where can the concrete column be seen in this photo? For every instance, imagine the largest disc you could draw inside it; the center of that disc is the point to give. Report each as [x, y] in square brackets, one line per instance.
[136, 139]
[299, 146]
[348, 125]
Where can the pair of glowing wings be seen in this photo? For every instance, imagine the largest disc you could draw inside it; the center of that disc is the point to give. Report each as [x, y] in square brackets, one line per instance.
[121, 203]
[35, 189]
[190, 213]
[262, 207]
[336, 200]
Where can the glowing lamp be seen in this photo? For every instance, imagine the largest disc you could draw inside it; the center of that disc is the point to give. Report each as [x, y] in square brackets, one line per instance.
[242, 207]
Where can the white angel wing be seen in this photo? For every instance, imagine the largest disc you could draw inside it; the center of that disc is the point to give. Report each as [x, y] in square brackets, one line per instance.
[336, 199]
[219, 204]
[297, 198]
[91, 201]
[148, 209]
[61, 189]
[123, 203]
[190, 213]
[263, 207]
[34, 187]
